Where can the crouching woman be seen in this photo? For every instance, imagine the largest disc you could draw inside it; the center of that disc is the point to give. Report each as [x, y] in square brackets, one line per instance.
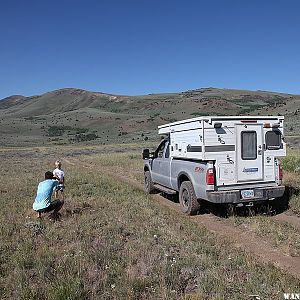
[43, 202]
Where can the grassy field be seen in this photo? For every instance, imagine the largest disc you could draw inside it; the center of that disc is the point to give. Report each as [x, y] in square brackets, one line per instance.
[282, 235]
[291, 165]
[130, 162]
[112, 241]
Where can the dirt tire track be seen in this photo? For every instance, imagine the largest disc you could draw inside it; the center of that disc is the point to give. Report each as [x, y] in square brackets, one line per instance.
[257, 246]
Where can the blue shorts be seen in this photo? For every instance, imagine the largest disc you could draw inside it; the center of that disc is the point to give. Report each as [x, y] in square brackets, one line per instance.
[60, 188]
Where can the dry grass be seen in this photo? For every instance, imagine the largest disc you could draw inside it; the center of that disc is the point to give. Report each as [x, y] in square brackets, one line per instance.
[114, 242]
[131, 164]
[291, 165]
[282, 235]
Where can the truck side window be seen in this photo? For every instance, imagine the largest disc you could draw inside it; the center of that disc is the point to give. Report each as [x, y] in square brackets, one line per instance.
[160, 150]
[273, 140]
[249, 145]
[167, 150]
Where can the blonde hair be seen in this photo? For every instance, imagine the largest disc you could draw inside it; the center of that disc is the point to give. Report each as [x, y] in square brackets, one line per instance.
[58, 163]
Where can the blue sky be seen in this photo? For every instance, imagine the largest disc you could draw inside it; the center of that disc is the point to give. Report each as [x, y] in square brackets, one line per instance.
[138, 47]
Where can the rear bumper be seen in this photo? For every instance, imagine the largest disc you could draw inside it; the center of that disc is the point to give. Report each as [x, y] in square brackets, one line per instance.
[234, 196]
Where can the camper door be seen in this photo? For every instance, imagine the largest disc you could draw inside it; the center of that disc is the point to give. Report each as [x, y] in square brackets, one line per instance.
[249, 151]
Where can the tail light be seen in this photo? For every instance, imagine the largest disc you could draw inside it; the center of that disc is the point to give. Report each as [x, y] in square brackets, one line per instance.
[280, 171]
[210, 176]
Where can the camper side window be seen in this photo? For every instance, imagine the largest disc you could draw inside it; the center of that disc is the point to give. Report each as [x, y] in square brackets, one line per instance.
[273, 140]
[249, 145]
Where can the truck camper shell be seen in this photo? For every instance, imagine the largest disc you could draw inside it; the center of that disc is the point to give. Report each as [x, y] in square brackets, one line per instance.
[243, 147]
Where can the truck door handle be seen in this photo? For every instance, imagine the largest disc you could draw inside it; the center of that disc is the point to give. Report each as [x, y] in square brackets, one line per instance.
[259, 152]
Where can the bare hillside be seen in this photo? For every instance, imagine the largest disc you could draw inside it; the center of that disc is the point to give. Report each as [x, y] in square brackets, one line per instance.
[73, 115]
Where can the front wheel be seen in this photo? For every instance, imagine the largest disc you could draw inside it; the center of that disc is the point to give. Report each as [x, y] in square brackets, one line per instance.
[187, 198]
[149, 187]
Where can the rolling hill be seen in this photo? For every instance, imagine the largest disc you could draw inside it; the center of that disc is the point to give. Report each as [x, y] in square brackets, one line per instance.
[73, 115]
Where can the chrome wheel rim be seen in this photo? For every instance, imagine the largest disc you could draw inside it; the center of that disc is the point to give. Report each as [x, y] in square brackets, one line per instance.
[185, 198]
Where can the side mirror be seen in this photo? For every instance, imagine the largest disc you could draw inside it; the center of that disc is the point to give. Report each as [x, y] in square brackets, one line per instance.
[146, 153]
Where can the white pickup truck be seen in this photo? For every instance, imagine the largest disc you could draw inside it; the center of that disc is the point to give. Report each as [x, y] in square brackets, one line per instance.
[218, 159]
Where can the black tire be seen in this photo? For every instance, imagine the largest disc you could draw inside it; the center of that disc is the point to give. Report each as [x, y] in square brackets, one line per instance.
[149, 187]
[187, 198]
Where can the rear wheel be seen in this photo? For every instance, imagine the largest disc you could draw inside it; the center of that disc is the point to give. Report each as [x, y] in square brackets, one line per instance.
[149, 186]
[187, 198]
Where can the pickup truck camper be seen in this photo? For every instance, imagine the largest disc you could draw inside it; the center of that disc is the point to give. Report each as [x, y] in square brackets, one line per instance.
[226, 159]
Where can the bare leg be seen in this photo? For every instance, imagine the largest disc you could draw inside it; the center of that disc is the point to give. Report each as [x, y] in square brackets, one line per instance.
[56, 210]
[62, 196]
[39, 215]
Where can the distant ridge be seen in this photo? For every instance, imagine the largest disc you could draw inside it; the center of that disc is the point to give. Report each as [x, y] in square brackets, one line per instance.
[11, 101]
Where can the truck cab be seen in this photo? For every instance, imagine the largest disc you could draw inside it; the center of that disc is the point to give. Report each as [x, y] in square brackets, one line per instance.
[161, 164]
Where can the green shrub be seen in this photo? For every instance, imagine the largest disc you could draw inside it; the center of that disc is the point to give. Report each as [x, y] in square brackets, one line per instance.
[58, 130]
[291, 163]
[84, 137]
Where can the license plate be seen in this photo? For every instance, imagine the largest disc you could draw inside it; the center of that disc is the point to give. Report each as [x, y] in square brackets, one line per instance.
[247, 194]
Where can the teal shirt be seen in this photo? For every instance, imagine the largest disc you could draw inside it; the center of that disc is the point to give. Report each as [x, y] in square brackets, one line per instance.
[44, 193]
